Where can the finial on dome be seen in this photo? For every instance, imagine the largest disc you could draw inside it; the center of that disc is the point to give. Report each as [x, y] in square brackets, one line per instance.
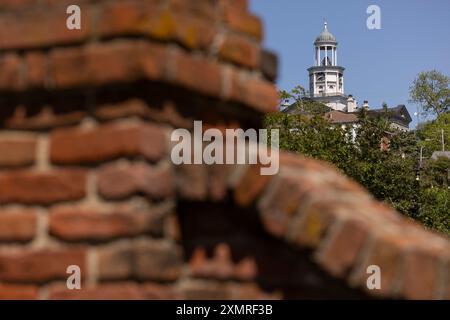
[325, 24]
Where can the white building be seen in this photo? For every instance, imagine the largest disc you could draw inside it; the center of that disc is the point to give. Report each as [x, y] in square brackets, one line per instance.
[326, 77]
[326, 85]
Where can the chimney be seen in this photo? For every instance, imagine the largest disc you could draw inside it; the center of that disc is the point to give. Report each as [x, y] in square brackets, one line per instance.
[366, 105]
[351, 104]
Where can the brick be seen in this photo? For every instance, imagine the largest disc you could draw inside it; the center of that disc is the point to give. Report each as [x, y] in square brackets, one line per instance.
[44, 188]
[221, 266]
[340, 251]
[110, 62]
[187, 70]
[17, 225]
[46, 118]
[386, 252]
[158, 260]
[40, 266]
[245, 23]
[239, 7]
[240, 50]
[153, 260]
[251, 291]
[11, 77]
[200, 8]
[421, 274]
[192, 181]
[250, 186]
[279, 203]
[148, 19]
[115, 262]
[17, 151]
[156, 291]
[82, 225]
[17, 4]
[40, 28]
[259, 94]
[18, 292]
[104, 291]
[36, 69]
[119, 181]
[205, 290]
[269, 65]
[311, 224]
[107, 142]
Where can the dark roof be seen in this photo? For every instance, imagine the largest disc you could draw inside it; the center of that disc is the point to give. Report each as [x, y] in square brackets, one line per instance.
[399, 113]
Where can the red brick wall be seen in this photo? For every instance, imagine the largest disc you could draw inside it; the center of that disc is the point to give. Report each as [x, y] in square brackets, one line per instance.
[86, 177]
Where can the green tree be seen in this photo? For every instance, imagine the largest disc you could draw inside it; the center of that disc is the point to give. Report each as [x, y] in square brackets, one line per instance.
[387, 170]
[430, 90]
[430, 134]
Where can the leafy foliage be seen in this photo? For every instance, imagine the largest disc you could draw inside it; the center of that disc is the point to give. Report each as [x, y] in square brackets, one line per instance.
[430, 134]
[431, 91]
[388, 170]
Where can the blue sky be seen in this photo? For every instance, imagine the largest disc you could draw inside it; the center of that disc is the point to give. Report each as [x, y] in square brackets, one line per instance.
[380, 64]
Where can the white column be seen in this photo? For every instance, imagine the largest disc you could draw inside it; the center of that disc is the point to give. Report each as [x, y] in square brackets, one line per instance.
[343, 84]
[337, 82]
[332, 56]
[317, 56]
[314, 84]
[335, 56]
[326, 55]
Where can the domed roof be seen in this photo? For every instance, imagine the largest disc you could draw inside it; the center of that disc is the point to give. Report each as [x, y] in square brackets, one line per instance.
[325, 36]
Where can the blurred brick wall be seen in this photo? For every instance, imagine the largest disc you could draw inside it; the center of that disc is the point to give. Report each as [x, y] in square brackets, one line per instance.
[86, 178]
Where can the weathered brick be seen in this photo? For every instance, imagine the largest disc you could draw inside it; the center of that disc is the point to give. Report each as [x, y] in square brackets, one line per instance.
[17, 225]
[40, 265]
[18, 292]
[421, 274]
[149, 19]
[311, 224]
[153, 260]
[158, 260]
[17, 4]
[11, 77]
[279, 203]
[188, 68]
[256, 93]
[192, 181]
[200, 8]
[221, 266]
[205, 290]
[17, 151]
[104, 291]
[78, 225]
[42, 187]
[339, 253]
[250, 186]
[115, 261]
[44, 119]
[40, 28]
[73, 146]
[35, 69]
[387, 252]
[269, 65]
[240, 50]
[245, 23]
[240, 6]
[156, 291]
[124, 60]
[118, 181]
